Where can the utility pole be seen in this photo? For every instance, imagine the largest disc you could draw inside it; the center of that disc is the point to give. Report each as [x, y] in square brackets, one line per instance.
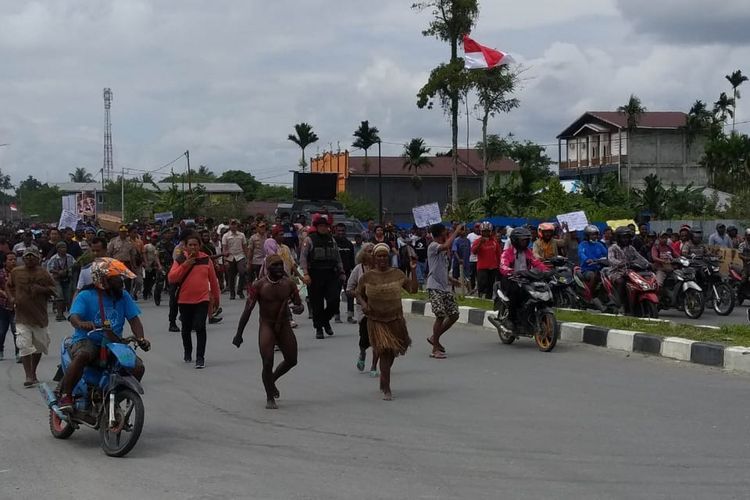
[380, 185]
[122, 193]
[190, 185]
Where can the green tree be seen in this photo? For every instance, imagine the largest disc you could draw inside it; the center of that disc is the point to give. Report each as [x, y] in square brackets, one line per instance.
[37, 200]
[727, 160]
[724, 107]
[267, 192]
[139, 201]
[80, 174]
[357, 207]
[451, 20]
[415, 160]
[735, 80]
[633, 110]
[147, 178]
[365, 137]
[653, 197]
[243, 179]
[493, 87]
[303, 137]
[5, 181]
[203, 174]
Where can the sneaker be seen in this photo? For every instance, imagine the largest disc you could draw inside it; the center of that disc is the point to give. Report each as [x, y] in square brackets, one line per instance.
[65, 403]
[188, 359]
[218, 311]
[214, 320]
[337, 319]
[18, 359]
[240, 295]
[200, 364]
[173, 327]
[231, 297]
[351, 320]
[329, 330]
[2, 356]
[319, 334]
[293, 324]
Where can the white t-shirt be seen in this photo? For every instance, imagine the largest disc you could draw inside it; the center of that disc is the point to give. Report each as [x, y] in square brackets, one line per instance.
[472, 237]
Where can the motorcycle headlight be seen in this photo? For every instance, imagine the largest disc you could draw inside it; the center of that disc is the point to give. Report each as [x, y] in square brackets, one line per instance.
[543, 296]
[645, 286]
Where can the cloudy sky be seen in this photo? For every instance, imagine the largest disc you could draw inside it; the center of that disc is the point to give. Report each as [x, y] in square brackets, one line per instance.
[227, 79]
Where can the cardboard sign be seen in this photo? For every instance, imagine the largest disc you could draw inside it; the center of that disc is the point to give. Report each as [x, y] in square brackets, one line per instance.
[68, 219]
[576, 221]
[427, 215]
[163, 217]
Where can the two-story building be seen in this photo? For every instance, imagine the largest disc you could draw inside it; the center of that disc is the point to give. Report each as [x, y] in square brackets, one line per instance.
[599, 143]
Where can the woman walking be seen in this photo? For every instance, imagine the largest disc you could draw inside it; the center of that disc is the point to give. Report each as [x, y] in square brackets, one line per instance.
[197, 285]
[364, 263]
[379, 294]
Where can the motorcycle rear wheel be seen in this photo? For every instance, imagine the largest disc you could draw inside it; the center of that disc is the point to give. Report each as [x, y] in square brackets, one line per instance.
[111, 439]
[693, 303]
[59, 428]
[725, 305]
[548, 332]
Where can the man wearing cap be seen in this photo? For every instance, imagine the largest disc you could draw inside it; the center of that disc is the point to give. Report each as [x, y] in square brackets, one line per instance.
[123, 249]
[30, 287]
[26, 243]
[234, 245]
[323, 274]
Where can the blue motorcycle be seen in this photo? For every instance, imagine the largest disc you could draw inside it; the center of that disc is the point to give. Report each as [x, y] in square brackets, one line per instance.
[107, 398]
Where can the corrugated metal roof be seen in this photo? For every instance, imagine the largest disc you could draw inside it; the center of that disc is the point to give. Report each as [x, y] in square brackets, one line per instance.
[211, 187]
[470, 165]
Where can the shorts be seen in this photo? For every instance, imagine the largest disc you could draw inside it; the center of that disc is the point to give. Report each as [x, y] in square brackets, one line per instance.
[443, 303]
[31, 339]
[89, 347]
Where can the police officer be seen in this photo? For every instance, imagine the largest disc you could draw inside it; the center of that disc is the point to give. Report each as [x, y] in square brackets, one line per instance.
[323, 274]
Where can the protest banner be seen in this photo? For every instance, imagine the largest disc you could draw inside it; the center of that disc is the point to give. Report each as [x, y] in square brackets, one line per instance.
[576, 221]
[614, 224]
[68, 219]
[426, 215]
[163, 217]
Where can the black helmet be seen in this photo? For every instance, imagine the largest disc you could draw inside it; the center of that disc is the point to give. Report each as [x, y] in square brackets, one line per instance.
[652, 234]
[696, 235]
[623, 235]
[731, 228]
[518, 235]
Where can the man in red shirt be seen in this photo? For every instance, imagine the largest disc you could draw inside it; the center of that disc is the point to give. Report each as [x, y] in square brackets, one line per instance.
[488, 252]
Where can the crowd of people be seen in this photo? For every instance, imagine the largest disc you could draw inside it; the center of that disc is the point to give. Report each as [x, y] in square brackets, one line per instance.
[280, 264]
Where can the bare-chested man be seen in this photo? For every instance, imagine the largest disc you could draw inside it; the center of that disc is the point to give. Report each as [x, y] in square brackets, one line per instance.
[274, 292]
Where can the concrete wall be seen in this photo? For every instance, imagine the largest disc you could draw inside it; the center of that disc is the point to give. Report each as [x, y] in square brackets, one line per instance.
[664, 153]
[400, 196]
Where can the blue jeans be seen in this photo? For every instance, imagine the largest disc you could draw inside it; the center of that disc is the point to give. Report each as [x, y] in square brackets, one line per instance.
[421, 272]
[7, 322]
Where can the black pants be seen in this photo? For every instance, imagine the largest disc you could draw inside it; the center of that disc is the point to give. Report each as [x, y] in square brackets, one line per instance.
[473, 277]
[193, 317]
[364, 337]
[236, 272]
[486, 279]
[513, 292]
[324, 293]
[172, 304]
[148, 282]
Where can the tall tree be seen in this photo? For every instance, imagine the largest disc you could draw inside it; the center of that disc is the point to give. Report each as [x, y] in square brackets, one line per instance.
[365, 137]
[80, 175]
[415, 159]
[493, 88]
[735, 80]
[451, 20]
[633, 110]
[303, 138]
[724, 107]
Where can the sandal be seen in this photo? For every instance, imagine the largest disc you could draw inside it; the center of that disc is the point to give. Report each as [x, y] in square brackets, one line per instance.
[439, 347]
[438, 355]
[374, 373]
[360, 364]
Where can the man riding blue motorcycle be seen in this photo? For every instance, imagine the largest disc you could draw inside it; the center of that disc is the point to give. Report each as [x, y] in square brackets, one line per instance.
[106, 305]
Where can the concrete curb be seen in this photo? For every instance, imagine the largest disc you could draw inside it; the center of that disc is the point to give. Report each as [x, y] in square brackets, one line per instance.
[729, 358]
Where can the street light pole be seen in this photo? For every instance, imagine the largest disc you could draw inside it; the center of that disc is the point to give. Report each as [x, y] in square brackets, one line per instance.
[380, 185]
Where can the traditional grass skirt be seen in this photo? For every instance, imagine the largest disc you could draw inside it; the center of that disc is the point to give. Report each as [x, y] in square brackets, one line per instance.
[388, 335]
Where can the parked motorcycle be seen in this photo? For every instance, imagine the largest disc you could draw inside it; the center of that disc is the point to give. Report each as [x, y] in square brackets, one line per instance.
[107, 398]
[741, 287]
[716, 288]
[562, 282]
[680, 291]
[641, 290]
[535, 319]
[596, 299]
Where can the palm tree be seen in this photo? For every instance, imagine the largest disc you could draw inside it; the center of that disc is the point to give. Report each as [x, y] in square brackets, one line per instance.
[633, 110]
[415, 160]
[305, 136]
[735, 80]
[724, 107]
[204, 174]
[80, 175]
[365, 137]
[147, 178]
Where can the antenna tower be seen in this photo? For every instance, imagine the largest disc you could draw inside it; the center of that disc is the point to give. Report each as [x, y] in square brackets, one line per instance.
[108, 166]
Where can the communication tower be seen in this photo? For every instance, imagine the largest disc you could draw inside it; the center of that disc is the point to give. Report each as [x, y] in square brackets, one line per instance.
[108, 167]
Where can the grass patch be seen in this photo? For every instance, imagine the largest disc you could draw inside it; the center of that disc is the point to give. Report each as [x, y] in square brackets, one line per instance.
[728, 334]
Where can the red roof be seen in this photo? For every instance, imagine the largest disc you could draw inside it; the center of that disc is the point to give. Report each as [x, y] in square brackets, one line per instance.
[649, 119]
[469, 165]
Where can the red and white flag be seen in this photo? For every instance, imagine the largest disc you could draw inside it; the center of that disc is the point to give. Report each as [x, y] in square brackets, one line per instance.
[480, 57]
[13, 207]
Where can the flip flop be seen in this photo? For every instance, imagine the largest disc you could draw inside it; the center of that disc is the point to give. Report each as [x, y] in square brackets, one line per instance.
[29, 385]
[438, 355]
[439, 347]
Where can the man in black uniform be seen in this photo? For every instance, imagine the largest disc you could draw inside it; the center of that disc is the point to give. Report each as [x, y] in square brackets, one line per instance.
[323, 274]
[165, 247]
[346, 251]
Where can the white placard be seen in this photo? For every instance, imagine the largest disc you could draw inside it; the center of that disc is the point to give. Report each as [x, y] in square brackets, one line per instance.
[163, 217]
[69, 219]
[426, 215]
[577, 221]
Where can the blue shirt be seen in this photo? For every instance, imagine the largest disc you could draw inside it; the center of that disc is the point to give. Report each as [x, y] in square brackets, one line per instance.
[461, 251]
[591, 250]
[86, 307]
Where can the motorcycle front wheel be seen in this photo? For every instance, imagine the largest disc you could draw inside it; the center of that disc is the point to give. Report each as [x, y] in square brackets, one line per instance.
[502, 317]
[693, 304]
[118, 439]
[547, 332]
[724, 305]
[649, 309]
[59, 428]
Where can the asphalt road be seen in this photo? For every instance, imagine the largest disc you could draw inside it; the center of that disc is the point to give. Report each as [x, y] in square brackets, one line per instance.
[490, 422]
[709, 317]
